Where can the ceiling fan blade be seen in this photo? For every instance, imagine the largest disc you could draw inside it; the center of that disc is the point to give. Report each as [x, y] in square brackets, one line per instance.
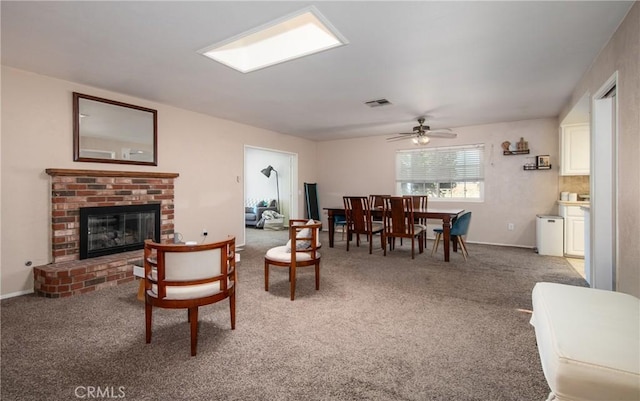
[398, 138]
[441, 134]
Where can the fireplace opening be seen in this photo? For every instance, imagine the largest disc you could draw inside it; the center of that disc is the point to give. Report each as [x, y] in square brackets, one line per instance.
[113, 229]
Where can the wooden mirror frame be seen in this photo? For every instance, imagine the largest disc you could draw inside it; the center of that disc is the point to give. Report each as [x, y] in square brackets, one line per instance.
[109, 144]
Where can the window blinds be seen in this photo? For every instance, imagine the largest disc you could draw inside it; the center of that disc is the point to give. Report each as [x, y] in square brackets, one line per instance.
[443, 164]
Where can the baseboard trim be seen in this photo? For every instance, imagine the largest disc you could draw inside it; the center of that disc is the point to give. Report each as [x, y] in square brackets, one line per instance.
[16, 294]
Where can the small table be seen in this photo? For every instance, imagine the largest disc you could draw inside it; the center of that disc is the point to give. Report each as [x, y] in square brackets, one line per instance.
[446, 215]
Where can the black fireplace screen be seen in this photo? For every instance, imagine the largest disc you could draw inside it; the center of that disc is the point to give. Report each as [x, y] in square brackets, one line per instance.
[114, 229]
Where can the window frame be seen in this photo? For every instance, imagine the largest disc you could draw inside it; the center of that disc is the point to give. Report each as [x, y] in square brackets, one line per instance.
[479, 174]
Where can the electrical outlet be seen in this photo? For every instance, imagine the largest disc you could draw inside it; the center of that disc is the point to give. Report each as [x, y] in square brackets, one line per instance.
[510, 226]
[205, 232]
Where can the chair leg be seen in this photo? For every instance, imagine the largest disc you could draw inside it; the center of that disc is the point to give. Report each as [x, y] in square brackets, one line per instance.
[232, 307]
[193, 319]
[348, 238]
[384, 244]
[148, 311]
[266, 275]
[292, 279]
[317, 275]
[463, 248]
[413, 247]
[435, 244]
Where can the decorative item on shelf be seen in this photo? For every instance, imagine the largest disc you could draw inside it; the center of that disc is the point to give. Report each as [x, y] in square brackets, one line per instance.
[519, 148]
[522, 144]
[543, 162]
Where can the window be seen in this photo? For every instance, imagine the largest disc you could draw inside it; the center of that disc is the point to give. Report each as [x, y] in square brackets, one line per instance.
[447, 173]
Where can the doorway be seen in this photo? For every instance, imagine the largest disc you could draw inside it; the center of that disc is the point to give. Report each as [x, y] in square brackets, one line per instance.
[604, 158]
[281, 184]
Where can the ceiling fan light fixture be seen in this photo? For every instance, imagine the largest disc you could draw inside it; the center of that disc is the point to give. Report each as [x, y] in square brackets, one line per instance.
[420, 140]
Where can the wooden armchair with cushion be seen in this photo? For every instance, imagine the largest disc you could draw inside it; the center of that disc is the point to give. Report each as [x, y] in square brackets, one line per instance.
[189, 276]
[301, 250]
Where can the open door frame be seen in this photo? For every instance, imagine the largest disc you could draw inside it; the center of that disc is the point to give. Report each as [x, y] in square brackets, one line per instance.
[603, 244]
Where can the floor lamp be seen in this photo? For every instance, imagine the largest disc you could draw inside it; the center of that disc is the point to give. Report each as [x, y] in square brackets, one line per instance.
[267, 172]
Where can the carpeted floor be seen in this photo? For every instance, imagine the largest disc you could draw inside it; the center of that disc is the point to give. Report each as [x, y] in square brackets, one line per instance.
[380, 328]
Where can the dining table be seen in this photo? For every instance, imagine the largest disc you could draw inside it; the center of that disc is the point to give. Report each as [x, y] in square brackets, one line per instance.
[444, 215]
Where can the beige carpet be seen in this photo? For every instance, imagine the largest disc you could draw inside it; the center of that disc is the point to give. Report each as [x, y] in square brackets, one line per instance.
[380, 328]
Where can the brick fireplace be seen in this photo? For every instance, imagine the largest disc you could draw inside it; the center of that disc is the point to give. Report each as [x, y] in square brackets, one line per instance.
[73, 189]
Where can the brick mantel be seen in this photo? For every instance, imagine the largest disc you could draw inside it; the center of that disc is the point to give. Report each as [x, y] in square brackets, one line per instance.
[72, 189]
[106, 173]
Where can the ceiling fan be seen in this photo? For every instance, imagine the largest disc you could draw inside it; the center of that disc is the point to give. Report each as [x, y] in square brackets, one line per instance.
[422, 133]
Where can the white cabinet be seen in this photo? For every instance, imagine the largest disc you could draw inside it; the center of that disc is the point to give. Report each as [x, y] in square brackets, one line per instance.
[575, 149]
[573, 230]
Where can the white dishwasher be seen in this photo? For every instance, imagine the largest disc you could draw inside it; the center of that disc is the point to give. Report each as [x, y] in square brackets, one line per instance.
[550, 235]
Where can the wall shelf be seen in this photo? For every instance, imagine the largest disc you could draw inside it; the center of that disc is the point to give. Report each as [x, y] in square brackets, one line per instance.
[536, 167]
[515, 152]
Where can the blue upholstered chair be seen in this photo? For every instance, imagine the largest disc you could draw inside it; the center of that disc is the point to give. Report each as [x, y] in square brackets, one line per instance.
[459, 229]
[340, 221]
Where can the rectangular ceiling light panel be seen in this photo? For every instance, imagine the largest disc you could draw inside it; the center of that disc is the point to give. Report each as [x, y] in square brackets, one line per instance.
[301, 34]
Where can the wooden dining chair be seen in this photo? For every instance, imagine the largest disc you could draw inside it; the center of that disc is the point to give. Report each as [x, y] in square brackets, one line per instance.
[359, 221]
[420, 202]
[399, 222]
[179, 276]
[377, 202]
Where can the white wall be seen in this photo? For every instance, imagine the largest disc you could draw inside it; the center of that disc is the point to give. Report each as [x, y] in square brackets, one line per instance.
[622, 54]
[207, 152]
[366, 166]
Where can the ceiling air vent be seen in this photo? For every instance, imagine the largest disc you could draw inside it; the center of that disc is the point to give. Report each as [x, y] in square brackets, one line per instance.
[378, 103]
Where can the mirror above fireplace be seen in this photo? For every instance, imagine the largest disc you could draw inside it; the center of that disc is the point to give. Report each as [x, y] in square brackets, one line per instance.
[107, 131]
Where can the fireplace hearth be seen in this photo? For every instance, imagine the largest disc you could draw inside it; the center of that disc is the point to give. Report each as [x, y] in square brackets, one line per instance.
[105, 230]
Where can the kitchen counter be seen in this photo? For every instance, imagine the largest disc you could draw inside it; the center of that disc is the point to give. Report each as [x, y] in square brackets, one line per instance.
[573, 203]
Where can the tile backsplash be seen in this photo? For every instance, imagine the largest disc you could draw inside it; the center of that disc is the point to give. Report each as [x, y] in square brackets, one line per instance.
[574, 183]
